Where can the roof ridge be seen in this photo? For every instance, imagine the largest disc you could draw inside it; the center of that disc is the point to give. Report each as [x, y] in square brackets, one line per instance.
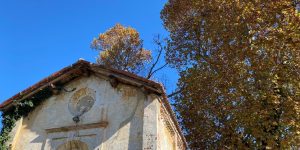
[80, 64]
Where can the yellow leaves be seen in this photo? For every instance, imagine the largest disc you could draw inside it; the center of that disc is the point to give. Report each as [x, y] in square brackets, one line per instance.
[145, 54]
[297, 12]
[104, 54]
[212, 42]
[121, 48]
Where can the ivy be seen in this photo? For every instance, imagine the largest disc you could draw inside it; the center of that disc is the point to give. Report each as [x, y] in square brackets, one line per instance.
[10, 118]
[19, 110]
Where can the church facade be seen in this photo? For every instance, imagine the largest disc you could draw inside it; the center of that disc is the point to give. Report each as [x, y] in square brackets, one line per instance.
[91, 107]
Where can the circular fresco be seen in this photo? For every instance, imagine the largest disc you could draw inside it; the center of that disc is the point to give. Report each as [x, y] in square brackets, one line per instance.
[81, 101]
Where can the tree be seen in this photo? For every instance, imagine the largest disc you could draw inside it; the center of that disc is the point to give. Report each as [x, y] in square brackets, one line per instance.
[154, 62]
[239, 64]
[121, 48]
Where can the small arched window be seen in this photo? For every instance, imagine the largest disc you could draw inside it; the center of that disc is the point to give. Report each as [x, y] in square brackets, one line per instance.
[73, 145]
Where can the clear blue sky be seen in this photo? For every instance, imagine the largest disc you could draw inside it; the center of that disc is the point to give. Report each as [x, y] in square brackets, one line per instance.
[40, 37]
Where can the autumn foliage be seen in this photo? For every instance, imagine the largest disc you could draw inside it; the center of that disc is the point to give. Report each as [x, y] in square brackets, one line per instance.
[239, 64]
[121, 48]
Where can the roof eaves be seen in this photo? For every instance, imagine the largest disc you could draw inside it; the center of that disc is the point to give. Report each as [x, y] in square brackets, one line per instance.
[81, 64]
[45, 82]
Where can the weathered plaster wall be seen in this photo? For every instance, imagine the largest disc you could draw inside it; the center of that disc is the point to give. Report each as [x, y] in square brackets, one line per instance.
[122, 108]
[133, 120]
[168, 136]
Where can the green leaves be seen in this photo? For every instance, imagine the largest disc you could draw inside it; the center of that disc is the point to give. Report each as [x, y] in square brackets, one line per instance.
[9, 119]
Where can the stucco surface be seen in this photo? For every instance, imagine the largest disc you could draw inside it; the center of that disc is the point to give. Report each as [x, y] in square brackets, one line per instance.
[134, 120]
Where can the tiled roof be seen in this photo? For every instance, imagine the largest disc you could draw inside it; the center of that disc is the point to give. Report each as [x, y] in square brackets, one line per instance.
[79, 69]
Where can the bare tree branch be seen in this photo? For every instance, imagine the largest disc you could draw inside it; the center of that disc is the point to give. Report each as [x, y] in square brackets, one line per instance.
[177, 91]
[160, 50]
[163, 66]
[174, 93]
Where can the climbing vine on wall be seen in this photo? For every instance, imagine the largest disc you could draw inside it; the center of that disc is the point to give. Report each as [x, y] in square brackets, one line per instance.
[20, 109]
[10, 118]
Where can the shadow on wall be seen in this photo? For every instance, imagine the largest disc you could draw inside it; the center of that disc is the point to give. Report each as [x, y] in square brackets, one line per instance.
[124, 130]
[73, 145]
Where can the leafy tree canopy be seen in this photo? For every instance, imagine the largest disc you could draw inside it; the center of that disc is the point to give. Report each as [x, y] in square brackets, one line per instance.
[121, 48]
[239, 64]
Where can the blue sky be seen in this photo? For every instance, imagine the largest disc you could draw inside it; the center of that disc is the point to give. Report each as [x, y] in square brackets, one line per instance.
[38, 38]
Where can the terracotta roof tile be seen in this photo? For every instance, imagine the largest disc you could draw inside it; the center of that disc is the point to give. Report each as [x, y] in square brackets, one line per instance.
[85, 64]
